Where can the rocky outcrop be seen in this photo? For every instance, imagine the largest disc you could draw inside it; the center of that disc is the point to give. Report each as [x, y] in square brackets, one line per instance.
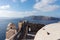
[11, 30]
[23, 29]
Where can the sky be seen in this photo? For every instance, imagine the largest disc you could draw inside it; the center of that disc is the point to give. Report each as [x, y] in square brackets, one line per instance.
[24, 8]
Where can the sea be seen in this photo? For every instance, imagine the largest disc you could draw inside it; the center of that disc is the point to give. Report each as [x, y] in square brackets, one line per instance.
[5, 22]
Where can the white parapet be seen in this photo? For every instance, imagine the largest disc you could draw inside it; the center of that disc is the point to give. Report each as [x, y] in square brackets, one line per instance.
[49, 32]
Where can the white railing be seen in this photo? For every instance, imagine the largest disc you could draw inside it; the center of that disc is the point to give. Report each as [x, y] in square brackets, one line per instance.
[31, 35]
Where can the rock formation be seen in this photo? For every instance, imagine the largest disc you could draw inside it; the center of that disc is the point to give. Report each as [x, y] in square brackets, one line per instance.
[23, 30]
[11, 30]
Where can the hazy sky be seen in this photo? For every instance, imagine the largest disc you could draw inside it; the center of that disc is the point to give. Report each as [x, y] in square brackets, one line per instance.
[23, 8]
